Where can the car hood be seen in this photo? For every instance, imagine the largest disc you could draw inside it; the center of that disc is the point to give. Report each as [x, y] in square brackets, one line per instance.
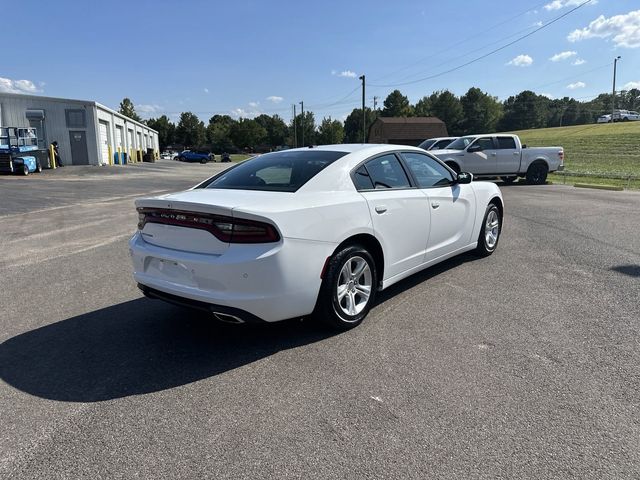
[444, 151]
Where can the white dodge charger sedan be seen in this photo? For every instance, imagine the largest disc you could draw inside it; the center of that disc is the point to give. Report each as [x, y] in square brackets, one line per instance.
[311, 231]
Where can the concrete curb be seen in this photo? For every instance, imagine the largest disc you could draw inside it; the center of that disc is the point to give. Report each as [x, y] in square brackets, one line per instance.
[614, 188]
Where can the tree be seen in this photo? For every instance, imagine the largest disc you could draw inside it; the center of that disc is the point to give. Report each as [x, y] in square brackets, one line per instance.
[353, 124]
[219, 133]
[423, 108]
[396, 105]
[275, 127]
[481, 112]
[309, 125]
[166, 130]
[330, 132]
[447, 107]
[525, 110]
[247, 134]
[128, 110]
[190, 130]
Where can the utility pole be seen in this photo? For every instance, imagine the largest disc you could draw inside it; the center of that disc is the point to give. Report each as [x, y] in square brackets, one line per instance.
[613, 97]
[295, 133]
[364, 115]
[302, 126]
[375, 103]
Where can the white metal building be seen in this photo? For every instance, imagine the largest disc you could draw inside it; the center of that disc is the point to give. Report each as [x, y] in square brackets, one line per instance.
[87, 132]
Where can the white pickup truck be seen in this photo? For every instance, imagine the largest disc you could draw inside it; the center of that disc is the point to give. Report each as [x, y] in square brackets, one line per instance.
[501, 155]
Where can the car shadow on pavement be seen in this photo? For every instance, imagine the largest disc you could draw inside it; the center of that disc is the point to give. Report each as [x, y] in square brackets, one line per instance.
[138, 347]
[630, 270]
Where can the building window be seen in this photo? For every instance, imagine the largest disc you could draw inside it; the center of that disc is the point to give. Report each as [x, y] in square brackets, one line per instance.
[75, 118]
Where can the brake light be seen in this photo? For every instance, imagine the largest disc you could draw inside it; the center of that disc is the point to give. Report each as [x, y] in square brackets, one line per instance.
[224, 228]
[561, 155]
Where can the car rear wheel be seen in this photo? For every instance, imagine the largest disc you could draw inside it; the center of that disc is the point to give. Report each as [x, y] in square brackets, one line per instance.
[537, 174]
[38, 168]
[490, 231]
[25, 170]
[348, 289]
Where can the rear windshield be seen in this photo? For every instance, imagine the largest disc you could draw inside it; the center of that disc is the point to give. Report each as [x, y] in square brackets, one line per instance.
[284, 171]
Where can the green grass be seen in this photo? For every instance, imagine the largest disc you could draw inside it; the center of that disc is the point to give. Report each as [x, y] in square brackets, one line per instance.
[238, 157]
[598, 149]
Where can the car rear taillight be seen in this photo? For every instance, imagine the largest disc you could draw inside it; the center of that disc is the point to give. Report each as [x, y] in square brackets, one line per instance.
[561, 155]
[224, 228]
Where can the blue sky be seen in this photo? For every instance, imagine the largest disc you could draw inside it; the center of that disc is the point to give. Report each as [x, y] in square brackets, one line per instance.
[248, 57]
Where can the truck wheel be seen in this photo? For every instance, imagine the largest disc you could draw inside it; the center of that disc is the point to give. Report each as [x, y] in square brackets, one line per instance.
[453, 166]
[25, 170]
[537, 173]
[38, 167]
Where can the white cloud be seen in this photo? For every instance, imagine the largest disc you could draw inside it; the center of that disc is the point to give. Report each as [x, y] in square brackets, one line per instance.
[573, 86]
[521, 61]
[254, 104]
[624, 29]
[344, 73]
[18, 86]
[630, 85]
[539, 23]
[275, 99]
[148, 108]
[558, 4]
[548, 95]
[206, 90]
[563, 55]
[243, 113]
[579, 61]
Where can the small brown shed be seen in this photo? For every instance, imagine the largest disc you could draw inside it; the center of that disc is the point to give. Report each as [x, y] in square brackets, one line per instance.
[406, 130]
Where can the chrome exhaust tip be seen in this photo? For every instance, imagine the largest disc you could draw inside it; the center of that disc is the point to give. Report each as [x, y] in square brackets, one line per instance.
[227, 318]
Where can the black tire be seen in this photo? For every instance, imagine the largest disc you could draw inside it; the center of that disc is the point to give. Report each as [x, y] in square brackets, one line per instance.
[203, 161]
[487, 244]
[25, 170]
[453, 166]
[329, 308]
[38, 167]
[537, 173]
[625, 119]
[508, 180]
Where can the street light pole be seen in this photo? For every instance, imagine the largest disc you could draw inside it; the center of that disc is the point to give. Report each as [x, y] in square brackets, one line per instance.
[364, 115]
[613, 97]
[295, 133]
[302, 126]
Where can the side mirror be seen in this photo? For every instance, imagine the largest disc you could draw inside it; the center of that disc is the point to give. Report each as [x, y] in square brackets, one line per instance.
[474, 148]
[464, 177]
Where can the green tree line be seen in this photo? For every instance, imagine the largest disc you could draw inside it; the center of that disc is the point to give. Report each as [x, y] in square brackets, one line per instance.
[474, 112]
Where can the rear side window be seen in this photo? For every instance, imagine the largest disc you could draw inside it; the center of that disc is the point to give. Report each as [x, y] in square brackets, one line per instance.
[386, 172]
[362, 180]
[426, 144]
[280, 171]
[506, 143]
[442, 144]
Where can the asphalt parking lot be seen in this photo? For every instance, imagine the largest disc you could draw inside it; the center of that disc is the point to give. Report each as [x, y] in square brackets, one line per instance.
[525, 364]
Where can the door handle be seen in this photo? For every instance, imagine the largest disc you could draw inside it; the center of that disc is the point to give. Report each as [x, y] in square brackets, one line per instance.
[516, 153]
[381, 209]
[435, 205]
[493, 154]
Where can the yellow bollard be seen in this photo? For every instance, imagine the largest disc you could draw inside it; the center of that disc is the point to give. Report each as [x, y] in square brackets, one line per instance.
[119, 157]
[110, 156]
[52, 157]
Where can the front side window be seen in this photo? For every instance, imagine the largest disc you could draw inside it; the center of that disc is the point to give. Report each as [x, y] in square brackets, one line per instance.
[427, 171]
[284, 171]
[485, 143]
[386, 172]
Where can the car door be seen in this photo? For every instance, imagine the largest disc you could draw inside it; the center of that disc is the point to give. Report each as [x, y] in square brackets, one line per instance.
[480, 156]
[452, 205]
[399, 212]
[508, 155]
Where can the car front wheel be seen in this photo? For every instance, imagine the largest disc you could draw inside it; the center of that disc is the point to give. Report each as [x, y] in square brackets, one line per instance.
[490, 231]
[348, 289]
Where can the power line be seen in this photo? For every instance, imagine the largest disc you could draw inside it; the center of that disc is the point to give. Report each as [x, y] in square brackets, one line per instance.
[487, 54]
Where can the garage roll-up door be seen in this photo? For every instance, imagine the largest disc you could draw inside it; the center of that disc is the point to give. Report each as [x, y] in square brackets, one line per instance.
[104, 142]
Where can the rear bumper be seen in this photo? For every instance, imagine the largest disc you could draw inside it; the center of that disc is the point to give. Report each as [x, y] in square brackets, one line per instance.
[258, 282]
